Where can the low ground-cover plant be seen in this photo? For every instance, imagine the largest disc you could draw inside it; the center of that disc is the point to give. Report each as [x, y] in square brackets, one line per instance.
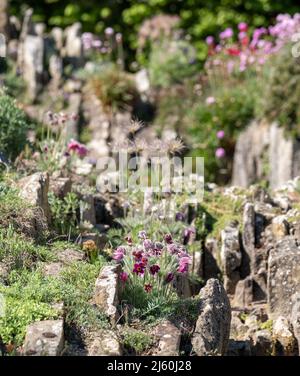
[13, 127]
[149, 268]
[30, 296]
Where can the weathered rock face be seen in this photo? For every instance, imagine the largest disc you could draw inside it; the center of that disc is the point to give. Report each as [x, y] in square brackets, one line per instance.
[243, 296]
[283, 277]
[231, 256]
[212, 329]
[286, 343]
[295, 318]
[105, 343]
[32, 70]
[106, 291]
[87, 210]
[169, 339]
[34, 189]
[258, 149]
[4, 17]
[44, 338]
[74, 47]
[60, 186]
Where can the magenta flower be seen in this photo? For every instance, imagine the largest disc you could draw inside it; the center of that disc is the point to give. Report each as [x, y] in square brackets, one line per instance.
[168, 239]
[169, 277]
[77, 147]
[242, 26]
[220, 134]
[226, 34]
[184, 264]
[220, 153]
[139, 268]
[128, 239]
[123, 277]
[137, 255]
[154, 269]
[148, 244]
[210, 40]
[119, 253]
[148, 287]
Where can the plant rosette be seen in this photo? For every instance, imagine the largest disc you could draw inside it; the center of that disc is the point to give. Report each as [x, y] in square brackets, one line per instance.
[149, 267]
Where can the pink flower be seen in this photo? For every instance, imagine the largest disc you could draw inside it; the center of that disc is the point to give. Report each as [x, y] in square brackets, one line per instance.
[220, 134]
[242, 26]
[148, 288]
[220, 153]
[77, 147]
[154, 269]
[210, 40]
[226, 34]
[119, 253]
[184, 264]
[169, 277]
[210, 100]
[139, 268]
[123, 277]
[168, 239]
[148, 244]
[109, 31]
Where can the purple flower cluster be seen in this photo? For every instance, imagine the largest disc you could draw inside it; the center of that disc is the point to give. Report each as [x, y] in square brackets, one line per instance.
[251, 50]
[155, 262]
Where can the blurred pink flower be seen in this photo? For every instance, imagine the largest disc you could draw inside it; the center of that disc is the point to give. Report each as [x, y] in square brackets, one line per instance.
[210, 100]
[77, 147]
[242, 26]
[220, 134]
[220, 153]
[210, 40]
[227, 33]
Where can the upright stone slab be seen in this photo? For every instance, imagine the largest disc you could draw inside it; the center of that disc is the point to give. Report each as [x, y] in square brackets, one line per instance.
[283, 277]
[74, 46]
[106, 291]
[34, 189]
[4, 17]
[231, 257]
[44, 338]
[32, 69]
[212, 330]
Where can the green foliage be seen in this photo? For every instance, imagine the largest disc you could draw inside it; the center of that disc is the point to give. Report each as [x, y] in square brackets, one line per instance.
[114, 87]
[19, 252]
[136, 341]
[199, 17]
[17, 213]
[30, 297]
[14, 84]
[19, 314]
[13, 127]
[64, 213]
[171, 62]
[232, 110]
[281, 85]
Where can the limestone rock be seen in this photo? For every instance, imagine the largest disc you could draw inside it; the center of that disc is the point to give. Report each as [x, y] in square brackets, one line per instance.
[263, 344]
[243, 296]
[106, 291]
[74, 46]
[60, 186]
[295, 317]
[283, 277]
[260, 144]
[169, 339]
[34, 189]
[4, 18]
[212, 329]
[32, 69]
[105, 343]
[44, 338]
[231, 257]
[286, 343]
[280, 227]
[87, 210]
